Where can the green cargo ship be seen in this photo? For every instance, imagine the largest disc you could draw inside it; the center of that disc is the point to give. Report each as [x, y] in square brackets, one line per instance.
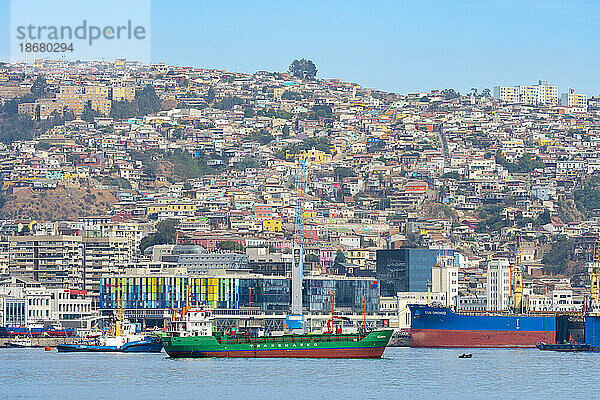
[191, 335]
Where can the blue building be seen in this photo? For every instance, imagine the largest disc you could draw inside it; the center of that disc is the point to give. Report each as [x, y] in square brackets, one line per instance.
[405, 269]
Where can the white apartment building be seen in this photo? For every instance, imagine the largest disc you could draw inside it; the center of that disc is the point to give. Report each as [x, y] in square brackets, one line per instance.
[498, 284]
[540, 94]
[444, 279]
[572, 99]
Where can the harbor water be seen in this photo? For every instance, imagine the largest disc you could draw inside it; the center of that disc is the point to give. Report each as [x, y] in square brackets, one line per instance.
[403, 373]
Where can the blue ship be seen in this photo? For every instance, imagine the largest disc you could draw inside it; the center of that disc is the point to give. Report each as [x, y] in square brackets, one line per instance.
[441, 327]
[126, 340]
[151, 344]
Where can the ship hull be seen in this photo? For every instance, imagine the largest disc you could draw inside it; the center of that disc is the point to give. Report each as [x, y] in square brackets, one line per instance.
[303, 346]
[478, 338]
[440, 327]
[143, 346]
[310, 353]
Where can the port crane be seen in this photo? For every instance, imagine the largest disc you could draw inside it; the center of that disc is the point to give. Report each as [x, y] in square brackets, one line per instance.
[595, 273]
[517, 277]
[298, 249]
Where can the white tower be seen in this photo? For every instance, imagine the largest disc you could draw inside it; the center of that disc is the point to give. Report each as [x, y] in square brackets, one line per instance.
[498, 284]
[444, 279]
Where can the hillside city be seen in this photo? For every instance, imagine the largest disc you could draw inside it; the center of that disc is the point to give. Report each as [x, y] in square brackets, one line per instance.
[123, 185]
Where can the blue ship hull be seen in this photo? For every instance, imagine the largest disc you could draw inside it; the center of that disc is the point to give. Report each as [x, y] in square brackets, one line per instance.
[153, 345]
[440, 327]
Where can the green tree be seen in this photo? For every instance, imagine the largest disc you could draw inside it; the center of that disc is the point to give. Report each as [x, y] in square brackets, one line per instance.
[122, 110]
[230, 245]
[210, 95]
[543, 218]
[450, 94]
[289, 95]
[451, 175]
[248, 162]
[166, 233]
[303, 68]
[147, 100]
[262, 137]
[228, 103]
[500, 158]
[342, 172]
[321, 111]
[89, 113]
[39, 87]
[556, 260]
[340, 258]
[249, 112]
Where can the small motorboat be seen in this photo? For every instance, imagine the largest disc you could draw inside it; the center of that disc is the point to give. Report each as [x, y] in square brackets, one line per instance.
[465, 355]
[21, 343]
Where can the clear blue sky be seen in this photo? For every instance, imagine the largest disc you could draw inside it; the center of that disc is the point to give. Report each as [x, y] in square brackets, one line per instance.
[399, 46]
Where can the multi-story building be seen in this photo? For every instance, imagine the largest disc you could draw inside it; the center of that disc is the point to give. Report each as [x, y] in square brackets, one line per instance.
[508, 94]
[363, 258]
[72, 262]
[444, 279]
[540, 94]
[54, 261]
[122, 93]
[172, 209]
[406, 269]
[498, 284]
[132, 231]
[572, 99]
[235, 291]
[104, 255]
[77, 97]
[41, 108]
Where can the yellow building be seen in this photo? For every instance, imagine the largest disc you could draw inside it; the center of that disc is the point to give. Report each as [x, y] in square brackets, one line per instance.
[173, 209]
[315, 156]
[572, 99]
[121, 93]
[41, 109]
[540, 94]
[309, 215]
[365, 259]
[120, 63]
[272, 225]
[77, 97]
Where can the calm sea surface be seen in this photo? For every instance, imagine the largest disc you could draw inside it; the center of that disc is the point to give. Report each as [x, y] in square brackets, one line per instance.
[403, 373]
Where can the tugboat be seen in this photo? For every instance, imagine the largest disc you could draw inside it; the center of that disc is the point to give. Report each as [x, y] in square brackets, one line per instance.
[127, 339]
[191, 335]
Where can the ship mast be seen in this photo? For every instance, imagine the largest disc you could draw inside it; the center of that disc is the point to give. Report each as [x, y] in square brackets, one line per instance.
[518, 277]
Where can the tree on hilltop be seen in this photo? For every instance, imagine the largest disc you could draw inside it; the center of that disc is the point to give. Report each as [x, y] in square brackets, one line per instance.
[303, 68]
